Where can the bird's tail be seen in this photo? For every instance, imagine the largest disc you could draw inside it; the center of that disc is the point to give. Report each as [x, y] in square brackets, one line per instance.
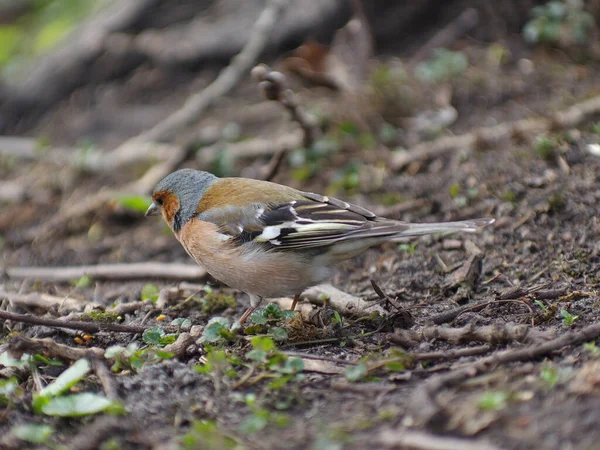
[420, 229]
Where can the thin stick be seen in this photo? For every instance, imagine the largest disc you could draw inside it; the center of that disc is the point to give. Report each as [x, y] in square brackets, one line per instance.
[109, 272]
[91, 327]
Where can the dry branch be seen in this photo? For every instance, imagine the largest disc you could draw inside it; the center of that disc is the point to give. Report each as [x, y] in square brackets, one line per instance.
[42, 301]
[274, 87]
[425, 405]
[53, 349]
[108, 272]
[419, 440]
[92, 327]
[490, 136]
[342, 302]
[492, 334]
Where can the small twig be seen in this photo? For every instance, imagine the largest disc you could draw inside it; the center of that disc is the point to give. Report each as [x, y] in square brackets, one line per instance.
[105, 378]
[92, 327]
[109, 272]
[53, 349]
[273, 85]
[272, 168]
[180, 346]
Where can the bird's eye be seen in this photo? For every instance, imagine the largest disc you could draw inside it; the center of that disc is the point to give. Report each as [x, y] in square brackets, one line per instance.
[159, 201]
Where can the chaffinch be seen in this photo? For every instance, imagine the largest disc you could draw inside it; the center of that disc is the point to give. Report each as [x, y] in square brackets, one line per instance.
[270, 240]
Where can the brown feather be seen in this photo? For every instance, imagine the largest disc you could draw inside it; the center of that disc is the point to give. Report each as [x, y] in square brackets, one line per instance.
[243, 191]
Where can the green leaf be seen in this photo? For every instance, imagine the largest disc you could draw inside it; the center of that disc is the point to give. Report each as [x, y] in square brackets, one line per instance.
[255, 422]
[215, 329]
[182, 322]
[272, 310]
[139, 203]
[83, 282]
[8, 361]
[258, 318]
[288, 314]
[263, 343]
[357, 372]
[395, 366]
[78, 405]
[32, 432]
[278, 333]
[493, 401]
[10, 36]
[67, 379]
[157, 336]
[150, 292]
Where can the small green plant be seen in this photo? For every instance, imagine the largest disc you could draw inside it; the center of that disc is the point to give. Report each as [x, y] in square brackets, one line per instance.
[568, 319]
[33, 433]
[408, 247]
[217, 329]
[549, 376]
[559, 23]
[591, 348]
[541, 305]
[356, 372]
[268, 320]
[493, 401]
[442, 66]
[52, 400]
[101, 316]
[260, 416]
[544, 147]
[150, 292]
[133, 358]
[83, 282]
[214, 303]
[206, 434]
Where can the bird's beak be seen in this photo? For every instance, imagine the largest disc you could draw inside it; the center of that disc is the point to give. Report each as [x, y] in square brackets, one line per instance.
[153, 210]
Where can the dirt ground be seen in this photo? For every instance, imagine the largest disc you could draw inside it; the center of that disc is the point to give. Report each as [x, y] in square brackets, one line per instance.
[531, 277]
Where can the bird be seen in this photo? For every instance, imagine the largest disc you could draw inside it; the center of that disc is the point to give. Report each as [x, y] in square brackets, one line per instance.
[270, 240]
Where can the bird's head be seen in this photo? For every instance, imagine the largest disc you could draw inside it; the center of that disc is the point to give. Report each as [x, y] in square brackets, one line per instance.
[177, 195]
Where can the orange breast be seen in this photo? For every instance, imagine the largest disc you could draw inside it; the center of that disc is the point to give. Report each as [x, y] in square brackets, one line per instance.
[249, 267]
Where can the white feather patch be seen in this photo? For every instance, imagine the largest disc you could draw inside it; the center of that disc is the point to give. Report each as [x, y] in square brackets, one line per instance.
[268, 233]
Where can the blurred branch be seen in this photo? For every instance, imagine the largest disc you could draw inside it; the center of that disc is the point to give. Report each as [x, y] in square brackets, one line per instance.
[108, 272]
[227, 79]
[491, 136]
[273, 86]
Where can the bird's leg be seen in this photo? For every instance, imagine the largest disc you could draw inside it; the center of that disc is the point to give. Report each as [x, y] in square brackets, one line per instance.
[296, 298]
[255, 301]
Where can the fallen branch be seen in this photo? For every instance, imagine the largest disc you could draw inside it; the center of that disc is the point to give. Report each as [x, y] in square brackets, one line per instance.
[424, 403]
[419, 440]
[108, 272]
[92, 327]
[490, 136]
[20, 344]
[342, 302]
[492, 334]
[42, 301]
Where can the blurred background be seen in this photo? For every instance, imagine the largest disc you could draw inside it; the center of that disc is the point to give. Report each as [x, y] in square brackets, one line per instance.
[419, 110]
